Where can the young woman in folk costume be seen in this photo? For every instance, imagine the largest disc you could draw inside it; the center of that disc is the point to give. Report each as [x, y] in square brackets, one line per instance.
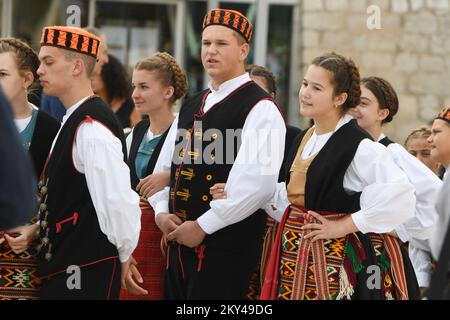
[418, 145]
[158, 83]
[18, 65]
[379, 104]
[341, 186]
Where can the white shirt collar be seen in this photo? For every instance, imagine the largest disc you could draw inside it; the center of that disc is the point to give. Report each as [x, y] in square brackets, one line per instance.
[344, 120]
[72, 109]
[230, 85]
[317, 142]
[382, 136]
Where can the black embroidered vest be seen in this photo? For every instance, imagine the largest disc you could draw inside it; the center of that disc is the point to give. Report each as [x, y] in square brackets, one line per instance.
[324, 190]
[206, 161]
[386, 141]
[70, 232]
[44, 133]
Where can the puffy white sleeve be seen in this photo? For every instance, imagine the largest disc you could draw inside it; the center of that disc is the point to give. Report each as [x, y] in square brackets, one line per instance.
[98, 154]
[253, 177]
[421, 261]
[427, 186]
[387, 197]
[442, 226]
[279, 202]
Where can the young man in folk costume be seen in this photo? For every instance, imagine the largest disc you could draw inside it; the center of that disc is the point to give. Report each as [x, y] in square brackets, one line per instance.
[89, 215]
[214, 246]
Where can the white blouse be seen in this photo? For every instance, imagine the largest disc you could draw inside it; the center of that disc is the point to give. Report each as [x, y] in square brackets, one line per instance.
[418, 229]
[21, 124]
[387, 197]
[443, 209]
[427, 186]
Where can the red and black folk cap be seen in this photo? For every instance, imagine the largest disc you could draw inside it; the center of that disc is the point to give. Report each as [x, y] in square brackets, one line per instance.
[71, 38]
[444, 114]
[231, 19]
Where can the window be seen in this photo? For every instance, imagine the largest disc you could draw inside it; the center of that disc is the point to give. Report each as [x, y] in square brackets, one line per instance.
[136, 30]
[279, 50]
[196, 11]
[44, 13]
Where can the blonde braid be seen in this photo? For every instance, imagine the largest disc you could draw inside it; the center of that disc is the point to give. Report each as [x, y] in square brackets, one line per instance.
[179, 79]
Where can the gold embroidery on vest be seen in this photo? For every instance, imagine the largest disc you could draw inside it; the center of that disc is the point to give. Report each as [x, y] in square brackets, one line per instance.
[184, 194]
[194, 154]
[181, 214]
[188, 174]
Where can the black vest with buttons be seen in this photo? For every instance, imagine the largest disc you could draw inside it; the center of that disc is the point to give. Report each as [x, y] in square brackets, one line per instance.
[203, 165]
[324, 189]
[70, 232]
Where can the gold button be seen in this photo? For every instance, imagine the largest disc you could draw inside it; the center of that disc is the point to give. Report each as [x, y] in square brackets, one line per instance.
[209, 177]
[205, 198]
[214, 136]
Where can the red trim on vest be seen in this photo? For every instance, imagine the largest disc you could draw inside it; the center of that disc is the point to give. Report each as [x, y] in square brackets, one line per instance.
[238, 88]
[88, 119]
[59, 224]
[274, 102]
[47, 277]
[112, 279]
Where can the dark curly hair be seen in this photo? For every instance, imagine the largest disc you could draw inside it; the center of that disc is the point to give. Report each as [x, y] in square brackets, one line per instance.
[385, 94]
[169, 71]
[26, 58]
[345, 78]
[116, 80]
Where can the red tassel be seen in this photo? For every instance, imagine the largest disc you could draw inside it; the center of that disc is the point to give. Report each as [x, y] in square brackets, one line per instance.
[350, 272]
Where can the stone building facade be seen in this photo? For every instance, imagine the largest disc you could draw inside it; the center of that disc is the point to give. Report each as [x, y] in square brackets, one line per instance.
[411, 49]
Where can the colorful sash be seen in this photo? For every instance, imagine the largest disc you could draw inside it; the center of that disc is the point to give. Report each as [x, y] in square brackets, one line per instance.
[323, 269]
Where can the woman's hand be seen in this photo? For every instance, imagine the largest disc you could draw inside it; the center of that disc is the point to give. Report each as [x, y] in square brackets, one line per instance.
[153, 183]
[132, 277]
[329, 229]
[218, 191]
[26, 235]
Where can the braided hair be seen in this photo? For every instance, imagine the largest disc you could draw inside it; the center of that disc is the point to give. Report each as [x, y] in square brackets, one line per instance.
[420, 133]
[385, 94]
[345, 77]
[260, 71]
[25, 57]
[169, 71]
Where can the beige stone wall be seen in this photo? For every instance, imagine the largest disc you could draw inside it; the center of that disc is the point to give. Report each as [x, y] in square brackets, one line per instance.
[411, 50]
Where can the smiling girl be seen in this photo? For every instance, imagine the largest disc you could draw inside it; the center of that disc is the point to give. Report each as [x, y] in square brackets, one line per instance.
[340, 188]
[158, 83]
[379, 104]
